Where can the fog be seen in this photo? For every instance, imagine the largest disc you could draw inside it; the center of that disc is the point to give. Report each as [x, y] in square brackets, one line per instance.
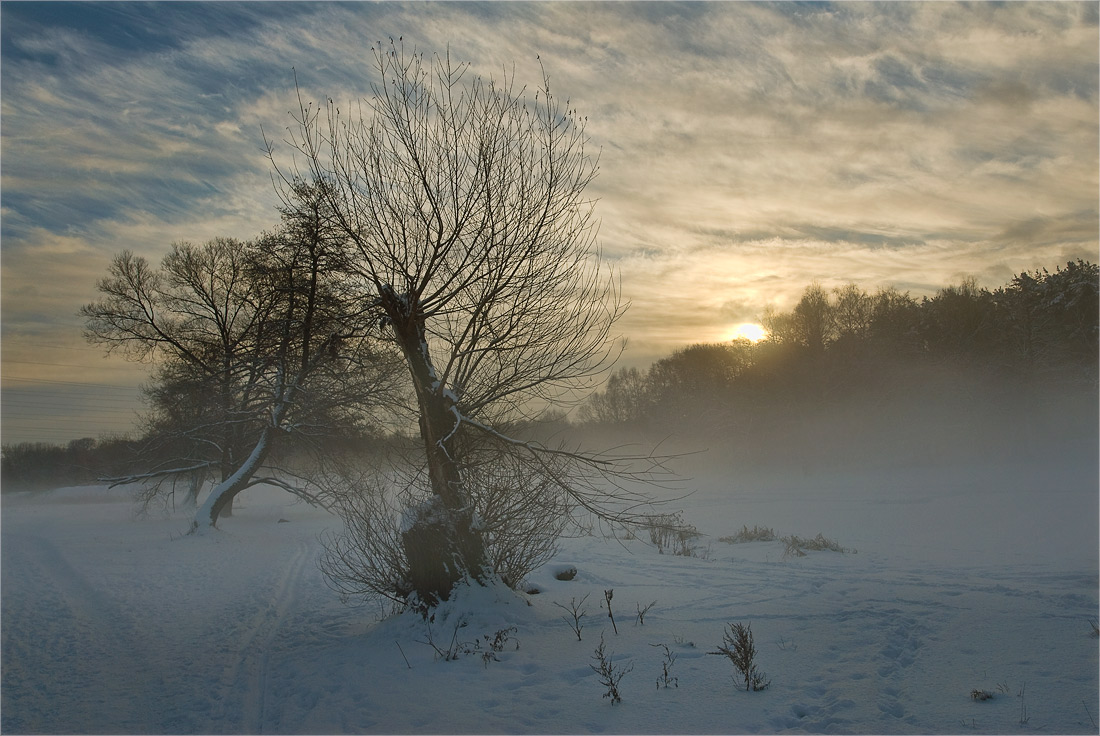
[936, 464]
[966, 511]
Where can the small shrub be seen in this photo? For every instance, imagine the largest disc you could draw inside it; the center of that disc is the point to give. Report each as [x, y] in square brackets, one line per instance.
[496, 643]
[981, 695]
[796, 546]
[663, 529]
[670, 533]
[756, 534]
[666, 677]
[609, 674]
[499, 639]
[643, 611]
[737, 645]
[451, 652]
[575, 614]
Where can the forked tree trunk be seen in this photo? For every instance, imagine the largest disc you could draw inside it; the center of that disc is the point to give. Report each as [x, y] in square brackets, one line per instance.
[442, 544]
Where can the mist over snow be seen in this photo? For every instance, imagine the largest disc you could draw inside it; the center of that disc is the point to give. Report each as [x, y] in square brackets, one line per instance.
[966, 512]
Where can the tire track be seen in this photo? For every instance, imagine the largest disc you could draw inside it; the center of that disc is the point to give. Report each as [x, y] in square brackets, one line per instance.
[248, 672]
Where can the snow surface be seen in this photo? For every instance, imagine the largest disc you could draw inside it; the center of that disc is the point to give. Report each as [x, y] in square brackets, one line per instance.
[978, 577]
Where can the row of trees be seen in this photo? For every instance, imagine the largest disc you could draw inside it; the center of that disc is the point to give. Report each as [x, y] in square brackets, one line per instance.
[1039, 321]
[1041, 326]
[435, 266]
[255, 344]
[41, 465]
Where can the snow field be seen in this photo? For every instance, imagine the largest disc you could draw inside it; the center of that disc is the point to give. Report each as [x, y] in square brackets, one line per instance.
[960, 581]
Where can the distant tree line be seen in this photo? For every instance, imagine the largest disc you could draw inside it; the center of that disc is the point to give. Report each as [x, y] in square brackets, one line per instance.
[34, 466]
[834, 345]
[40, 465]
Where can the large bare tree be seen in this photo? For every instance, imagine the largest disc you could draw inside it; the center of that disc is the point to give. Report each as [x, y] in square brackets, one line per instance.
[255, 342]
[464, 201]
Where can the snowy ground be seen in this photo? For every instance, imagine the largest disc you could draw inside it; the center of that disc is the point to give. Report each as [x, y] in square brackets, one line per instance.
[983, 577]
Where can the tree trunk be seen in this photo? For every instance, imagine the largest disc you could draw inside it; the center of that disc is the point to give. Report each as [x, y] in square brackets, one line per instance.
[194, 485]
[442, 544]
[222, 495]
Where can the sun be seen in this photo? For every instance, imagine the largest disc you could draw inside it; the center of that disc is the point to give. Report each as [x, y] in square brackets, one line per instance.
[750, 331]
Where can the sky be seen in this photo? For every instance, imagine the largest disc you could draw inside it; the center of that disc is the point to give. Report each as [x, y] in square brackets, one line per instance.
[746, 151]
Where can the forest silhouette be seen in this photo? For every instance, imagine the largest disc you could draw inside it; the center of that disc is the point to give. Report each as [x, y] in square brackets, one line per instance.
[835, 347]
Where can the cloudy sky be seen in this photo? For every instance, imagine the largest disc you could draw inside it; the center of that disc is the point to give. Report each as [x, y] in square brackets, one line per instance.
[747, 150]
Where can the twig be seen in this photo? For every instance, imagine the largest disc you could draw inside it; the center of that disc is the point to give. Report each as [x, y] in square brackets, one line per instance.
[607, 594]
[395, 641]
[666, 675]
[1024, 717]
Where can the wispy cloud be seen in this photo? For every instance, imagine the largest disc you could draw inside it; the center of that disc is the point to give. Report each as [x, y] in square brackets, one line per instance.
[746, 149]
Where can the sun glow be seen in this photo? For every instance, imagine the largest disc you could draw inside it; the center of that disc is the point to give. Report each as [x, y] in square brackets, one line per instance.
[748, 331]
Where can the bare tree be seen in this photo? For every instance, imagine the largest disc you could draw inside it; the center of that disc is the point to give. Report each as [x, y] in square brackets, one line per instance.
[254, 341]
[814, 319]
[475, 246]
[624, 399]
[853, 312]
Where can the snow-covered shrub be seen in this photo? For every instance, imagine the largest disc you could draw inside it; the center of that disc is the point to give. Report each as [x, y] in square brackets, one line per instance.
[521, 517]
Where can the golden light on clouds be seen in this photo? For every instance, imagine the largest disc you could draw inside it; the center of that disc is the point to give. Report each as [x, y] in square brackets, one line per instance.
[746, 149]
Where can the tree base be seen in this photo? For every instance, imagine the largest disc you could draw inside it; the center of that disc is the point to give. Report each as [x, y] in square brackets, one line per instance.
[441, 551]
